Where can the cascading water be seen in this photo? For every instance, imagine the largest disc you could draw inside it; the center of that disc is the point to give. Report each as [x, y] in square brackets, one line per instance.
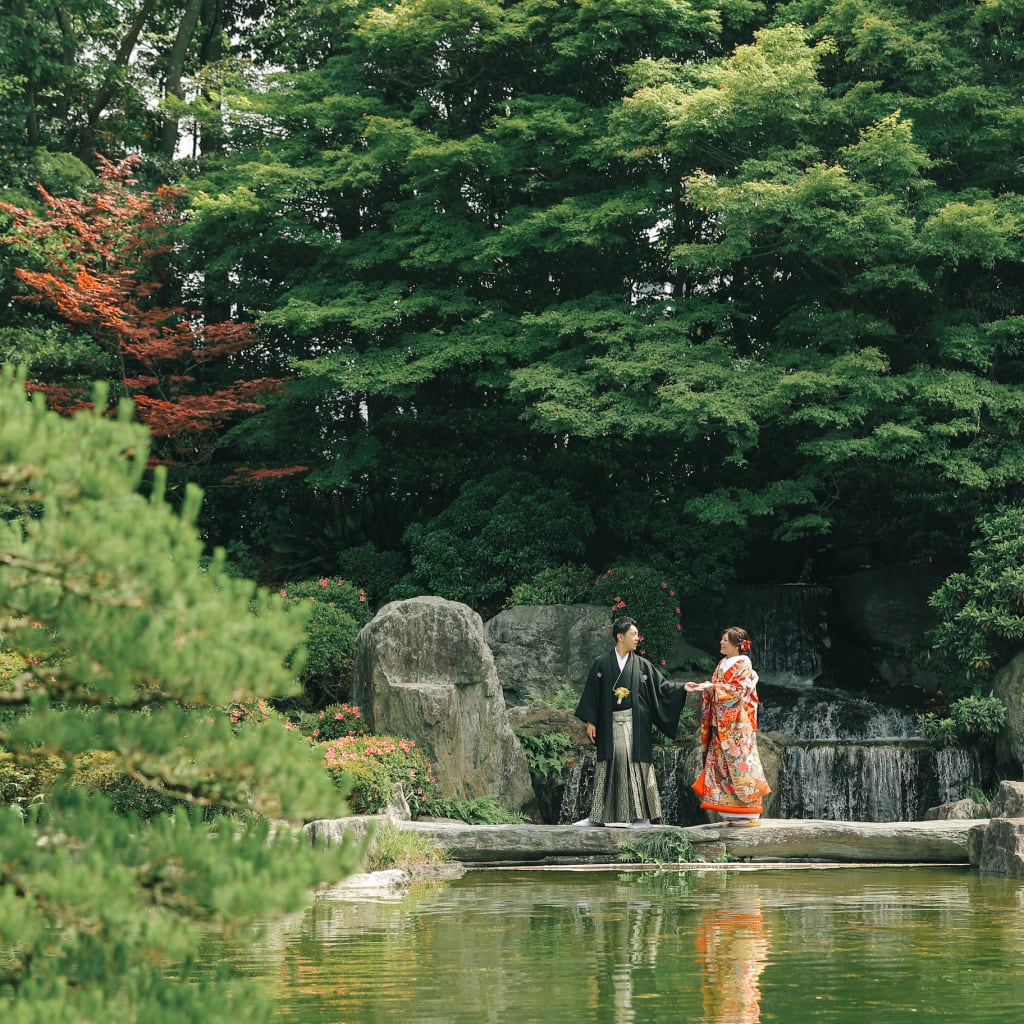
[842, 755]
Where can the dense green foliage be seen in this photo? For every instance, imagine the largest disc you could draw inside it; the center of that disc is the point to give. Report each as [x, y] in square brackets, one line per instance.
[714, 286]
[129, 655]
[970, 719]
[546, 753]
[982, 610]
[336, 611]
[693, 288]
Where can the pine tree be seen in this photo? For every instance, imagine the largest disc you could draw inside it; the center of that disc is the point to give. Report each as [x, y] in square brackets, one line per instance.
[100, 915]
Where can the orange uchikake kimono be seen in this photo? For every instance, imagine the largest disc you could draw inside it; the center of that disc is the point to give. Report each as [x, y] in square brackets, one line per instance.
[732, 780]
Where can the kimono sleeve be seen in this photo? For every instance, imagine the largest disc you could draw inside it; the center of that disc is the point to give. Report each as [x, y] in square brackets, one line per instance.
[588, 708]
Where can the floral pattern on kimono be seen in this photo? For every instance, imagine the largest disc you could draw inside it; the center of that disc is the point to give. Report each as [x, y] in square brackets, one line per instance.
[732, 779]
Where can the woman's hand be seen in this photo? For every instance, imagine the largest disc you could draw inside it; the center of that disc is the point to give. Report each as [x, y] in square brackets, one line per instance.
[697, 687]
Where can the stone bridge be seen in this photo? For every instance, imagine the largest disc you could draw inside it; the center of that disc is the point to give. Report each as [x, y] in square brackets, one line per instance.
[919, 842]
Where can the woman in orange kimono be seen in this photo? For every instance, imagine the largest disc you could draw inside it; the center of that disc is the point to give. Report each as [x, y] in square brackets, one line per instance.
[732, 781]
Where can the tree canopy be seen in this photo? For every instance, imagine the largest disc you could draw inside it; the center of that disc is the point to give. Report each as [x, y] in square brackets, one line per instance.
[738, 280]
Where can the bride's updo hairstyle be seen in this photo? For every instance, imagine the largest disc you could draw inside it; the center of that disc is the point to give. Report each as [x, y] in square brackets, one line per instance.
[739, 637]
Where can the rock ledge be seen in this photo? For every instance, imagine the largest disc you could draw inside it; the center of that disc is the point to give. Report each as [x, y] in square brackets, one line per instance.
[922, 842]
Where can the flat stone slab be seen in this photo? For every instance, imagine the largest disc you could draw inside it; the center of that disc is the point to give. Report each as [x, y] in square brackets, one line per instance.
[920, 842]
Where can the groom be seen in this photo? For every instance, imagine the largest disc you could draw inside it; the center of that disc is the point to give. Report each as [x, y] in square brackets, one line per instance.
[624, 697]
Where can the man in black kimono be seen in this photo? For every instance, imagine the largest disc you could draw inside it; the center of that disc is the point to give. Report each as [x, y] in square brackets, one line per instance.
[624, 697]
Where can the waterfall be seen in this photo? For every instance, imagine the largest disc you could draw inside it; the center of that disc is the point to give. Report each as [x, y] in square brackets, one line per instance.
[851, 781]
[958, 770]
[666, 767]
[830, 714]
[789, 629]
[579, 791]
[847, 758]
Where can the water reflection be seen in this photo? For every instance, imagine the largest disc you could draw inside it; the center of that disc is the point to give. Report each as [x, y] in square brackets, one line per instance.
[845, 946]
[624, 948]
[733, 946]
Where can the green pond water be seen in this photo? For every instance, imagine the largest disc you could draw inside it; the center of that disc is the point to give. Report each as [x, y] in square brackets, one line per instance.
[845, 946]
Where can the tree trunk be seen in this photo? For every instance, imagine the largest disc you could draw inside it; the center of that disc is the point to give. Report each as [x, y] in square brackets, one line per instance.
[31, 112]
[175, 69]
[107, 90]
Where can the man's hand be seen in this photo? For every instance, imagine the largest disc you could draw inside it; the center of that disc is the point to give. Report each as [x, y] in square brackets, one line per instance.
[591, 732]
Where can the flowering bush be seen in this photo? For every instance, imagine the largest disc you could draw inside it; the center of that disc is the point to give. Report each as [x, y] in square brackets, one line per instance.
[373, 764]
[241, 712]
[333, 723]
[333, 593]
[641, 592]
[11, 666]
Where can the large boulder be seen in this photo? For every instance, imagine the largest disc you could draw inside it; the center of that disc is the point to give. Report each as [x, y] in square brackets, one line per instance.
[886, 605]
[884, 612]
[423, 671]
[1008, 686]
[967, 809]
[997, 846]
[538, 649]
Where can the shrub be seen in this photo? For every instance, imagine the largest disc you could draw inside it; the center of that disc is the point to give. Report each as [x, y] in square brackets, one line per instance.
[476, 810]
[937, 730]
[977, 716]
[25, 780]
[982, 611]
[340, 611]
[970, 719]
[369, 766]
[334, 722]
[378, 571]
[242, 713]
[546, 753]
[564, 584]
[499, 531]
[11, 666]
[642, 592]
[100, 771]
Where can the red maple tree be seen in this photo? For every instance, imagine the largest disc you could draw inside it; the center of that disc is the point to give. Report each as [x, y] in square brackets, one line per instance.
[102, 266]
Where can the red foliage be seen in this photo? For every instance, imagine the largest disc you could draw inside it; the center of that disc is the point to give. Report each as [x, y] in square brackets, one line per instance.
[101, 261]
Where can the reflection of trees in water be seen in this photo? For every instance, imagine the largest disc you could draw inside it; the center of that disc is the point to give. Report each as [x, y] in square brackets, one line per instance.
[652, 946]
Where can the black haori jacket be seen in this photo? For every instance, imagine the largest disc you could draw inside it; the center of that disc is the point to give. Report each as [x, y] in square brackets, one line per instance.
[655, 700]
